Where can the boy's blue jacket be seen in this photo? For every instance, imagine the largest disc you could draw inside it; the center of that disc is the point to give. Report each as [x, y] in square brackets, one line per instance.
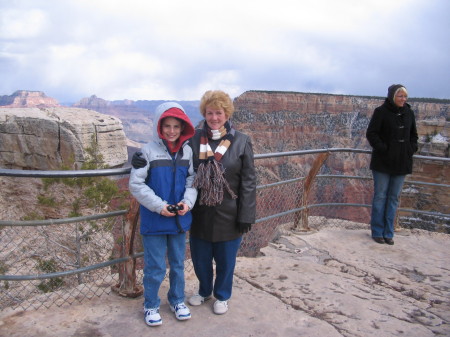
[166, 179]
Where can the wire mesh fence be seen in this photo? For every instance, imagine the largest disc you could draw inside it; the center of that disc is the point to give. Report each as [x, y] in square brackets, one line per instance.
[42, 265]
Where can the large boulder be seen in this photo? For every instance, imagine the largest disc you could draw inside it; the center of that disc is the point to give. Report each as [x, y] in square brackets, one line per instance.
[47, 138]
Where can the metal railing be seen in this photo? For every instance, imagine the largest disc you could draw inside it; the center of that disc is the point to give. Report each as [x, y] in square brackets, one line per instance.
[57, 261]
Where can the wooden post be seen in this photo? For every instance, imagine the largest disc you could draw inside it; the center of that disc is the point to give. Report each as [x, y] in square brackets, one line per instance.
[127, 271]
[302, 216]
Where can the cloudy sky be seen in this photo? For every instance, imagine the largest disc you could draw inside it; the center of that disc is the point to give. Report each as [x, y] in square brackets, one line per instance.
[178, 49]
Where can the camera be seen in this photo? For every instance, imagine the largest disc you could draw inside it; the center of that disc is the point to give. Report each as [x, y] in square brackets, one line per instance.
[174, 208]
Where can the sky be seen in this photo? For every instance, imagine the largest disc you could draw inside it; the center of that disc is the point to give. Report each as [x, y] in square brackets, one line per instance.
[178, 49]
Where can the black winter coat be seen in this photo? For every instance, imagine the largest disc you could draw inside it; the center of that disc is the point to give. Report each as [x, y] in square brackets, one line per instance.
[220, 223]
[392, 133]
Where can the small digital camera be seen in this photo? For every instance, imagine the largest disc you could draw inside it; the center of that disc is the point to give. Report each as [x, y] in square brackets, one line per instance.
[174, 208]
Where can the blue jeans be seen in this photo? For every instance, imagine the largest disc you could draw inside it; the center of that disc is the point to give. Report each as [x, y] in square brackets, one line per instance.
[224, 254]
[155, 248]
[387, 189]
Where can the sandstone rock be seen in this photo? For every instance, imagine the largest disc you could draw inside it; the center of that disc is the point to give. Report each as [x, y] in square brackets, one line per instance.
[46, 138]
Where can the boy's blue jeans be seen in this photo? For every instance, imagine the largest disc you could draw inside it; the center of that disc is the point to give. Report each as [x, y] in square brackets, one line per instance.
[155, 249]
[224, 254]
[387, 189]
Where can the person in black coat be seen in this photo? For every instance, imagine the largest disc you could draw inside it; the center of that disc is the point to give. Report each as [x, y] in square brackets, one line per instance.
[226, 206]
[392, 133]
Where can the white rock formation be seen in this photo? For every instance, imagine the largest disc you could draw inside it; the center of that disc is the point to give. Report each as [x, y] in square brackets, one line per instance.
[46, 138]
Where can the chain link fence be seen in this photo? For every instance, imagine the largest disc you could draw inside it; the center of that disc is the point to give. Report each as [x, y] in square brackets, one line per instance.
[62, 261]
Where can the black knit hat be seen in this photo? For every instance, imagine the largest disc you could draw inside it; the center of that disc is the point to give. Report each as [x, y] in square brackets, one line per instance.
[392, 90]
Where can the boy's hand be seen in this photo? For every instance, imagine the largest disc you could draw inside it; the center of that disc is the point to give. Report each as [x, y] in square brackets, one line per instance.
[184, 210]
[165, 212]
[137, 161]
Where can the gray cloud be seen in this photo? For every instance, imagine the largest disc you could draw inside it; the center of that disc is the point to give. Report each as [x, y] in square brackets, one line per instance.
[177, 49]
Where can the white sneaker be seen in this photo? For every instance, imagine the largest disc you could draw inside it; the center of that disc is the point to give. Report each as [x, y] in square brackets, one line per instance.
[152, 316]
[198, 299]
[181, 311]
[220, 307]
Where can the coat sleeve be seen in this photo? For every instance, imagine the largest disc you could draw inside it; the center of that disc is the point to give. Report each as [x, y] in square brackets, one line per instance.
[247, 190]
[142, 192]
[374, 131]
[190, 194]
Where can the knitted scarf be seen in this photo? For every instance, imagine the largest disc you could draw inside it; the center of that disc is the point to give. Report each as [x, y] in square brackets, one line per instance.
[210, 179]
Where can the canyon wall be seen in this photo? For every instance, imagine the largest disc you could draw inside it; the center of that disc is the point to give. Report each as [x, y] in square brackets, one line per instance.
[27, 99]
[287, 121]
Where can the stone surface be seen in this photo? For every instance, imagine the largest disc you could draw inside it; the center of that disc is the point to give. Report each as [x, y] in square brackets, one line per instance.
[334, 282]
[46, 138]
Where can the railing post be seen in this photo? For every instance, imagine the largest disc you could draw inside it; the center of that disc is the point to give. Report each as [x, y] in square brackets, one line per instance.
[302, 216]
[127, 271]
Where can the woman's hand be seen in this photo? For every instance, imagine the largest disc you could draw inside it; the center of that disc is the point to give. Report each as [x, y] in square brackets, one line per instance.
[244, 227]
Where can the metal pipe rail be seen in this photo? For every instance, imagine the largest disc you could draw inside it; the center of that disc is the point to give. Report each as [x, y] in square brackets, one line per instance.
[127, 170]
[61, 221]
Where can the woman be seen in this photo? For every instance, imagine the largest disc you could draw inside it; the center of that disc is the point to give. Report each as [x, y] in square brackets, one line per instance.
[392, 133]
[226, 204]
[163, 187]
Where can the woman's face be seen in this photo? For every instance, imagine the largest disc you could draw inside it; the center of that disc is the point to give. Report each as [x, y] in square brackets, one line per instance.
[400, 98]
[215, 117]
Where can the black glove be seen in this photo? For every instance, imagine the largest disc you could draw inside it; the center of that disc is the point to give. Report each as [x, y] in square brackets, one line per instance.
[137, 161]
[244, 227]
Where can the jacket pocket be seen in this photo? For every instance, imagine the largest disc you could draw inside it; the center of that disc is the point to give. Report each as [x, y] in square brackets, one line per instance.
[392, 155]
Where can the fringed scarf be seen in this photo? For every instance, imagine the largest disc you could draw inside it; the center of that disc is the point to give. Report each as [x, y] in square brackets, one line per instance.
[210, 179]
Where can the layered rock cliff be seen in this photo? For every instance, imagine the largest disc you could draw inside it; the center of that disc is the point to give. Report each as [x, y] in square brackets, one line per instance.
[46, 138]
[28, 99]
[287, 121]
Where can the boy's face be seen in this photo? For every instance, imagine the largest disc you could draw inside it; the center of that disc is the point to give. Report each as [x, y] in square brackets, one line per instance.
[171, 129]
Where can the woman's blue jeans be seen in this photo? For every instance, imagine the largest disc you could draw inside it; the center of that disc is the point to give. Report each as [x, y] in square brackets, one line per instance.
[387, 189]
[155, 249]
[224, 254]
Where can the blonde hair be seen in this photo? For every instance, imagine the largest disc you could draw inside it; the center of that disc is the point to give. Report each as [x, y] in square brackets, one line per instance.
[401, 89]
[217, 99]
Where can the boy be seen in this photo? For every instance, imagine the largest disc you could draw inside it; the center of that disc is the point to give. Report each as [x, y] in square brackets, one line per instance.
[164, 189]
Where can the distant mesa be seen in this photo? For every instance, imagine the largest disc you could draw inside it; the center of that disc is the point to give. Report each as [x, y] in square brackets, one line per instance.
[28, 99]
[92, 102]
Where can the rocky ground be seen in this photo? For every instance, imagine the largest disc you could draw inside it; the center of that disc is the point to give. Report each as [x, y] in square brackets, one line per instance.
[335, 282]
